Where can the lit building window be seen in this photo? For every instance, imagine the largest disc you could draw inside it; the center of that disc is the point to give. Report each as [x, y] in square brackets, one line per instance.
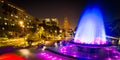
[13, 24]
[5, 23]
[3, 28]
[54, 19]
[2, 1]
[10, 19]
[28, 23]
[16, 16]
[27, 26]
[47, 19]
[31, 27]
[26, 16]
[9, 4]
[0, 17]
[29, 20]
[5, 19]
[11, 14]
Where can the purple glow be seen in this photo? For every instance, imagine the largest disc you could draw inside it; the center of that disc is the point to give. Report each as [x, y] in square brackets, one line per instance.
[91, 28]
[49, 56]
[95, 56]
[116, 56]
[74, 55]
[63, 49]
[108, 58]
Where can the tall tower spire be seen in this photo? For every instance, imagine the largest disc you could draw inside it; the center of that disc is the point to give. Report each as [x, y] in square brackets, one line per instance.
[66, 24]
[66, 27]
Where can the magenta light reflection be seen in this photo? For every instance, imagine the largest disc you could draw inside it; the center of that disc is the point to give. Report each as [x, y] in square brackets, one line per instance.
[49, 57]
[108, 58]
[91, 28]
[63, 49]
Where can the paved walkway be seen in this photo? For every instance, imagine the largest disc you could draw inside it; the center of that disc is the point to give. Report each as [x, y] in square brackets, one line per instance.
[32, 54]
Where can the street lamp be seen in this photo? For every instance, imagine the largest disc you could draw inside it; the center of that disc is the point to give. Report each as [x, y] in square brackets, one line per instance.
[22, 25]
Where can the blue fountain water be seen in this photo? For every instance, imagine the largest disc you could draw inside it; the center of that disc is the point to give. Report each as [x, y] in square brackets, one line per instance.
[90, 31]
[91, 27]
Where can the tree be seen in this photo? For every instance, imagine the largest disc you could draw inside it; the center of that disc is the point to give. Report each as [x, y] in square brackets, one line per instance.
[114, 28]
[40, 32]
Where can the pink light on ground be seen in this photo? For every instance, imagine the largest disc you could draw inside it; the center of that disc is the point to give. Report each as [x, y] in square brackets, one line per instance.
[49, 56]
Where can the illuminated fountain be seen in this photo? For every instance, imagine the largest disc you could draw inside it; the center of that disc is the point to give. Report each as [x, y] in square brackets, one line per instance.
[90, 40]
[91, 28]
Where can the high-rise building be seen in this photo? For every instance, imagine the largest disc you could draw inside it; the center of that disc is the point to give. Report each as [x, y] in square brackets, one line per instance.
[66, 24]
[50, 21]
[66, 27]
[14, 19]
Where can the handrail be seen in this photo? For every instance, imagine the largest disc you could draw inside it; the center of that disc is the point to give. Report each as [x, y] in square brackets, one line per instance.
[112, 37]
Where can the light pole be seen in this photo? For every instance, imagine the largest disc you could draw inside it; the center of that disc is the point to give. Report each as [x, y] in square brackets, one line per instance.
[22, 25]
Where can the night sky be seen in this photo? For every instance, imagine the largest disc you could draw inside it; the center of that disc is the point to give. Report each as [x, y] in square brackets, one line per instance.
[68, 8]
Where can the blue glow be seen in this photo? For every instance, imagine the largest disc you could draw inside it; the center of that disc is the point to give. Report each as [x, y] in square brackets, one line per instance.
[91, 27]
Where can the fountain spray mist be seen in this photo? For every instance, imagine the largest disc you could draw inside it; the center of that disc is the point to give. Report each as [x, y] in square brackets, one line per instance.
[91, 27]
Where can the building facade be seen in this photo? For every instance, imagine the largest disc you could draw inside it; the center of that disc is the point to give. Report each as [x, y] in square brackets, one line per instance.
[14, 20]
[50, 21]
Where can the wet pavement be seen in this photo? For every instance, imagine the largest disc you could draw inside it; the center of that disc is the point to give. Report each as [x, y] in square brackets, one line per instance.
[32, 53]
[38, 53]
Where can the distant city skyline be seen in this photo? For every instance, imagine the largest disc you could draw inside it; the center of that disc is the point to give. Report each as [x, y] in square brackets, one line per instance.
[67, 8]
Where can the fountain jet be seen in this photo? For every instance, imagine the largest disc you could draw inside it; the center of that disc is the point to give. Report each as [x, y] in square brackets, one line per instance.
[91, 27]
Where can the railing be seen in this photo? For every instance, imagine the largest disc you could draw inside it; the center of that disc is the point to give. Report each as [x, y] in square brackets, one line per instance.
[112, 37]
